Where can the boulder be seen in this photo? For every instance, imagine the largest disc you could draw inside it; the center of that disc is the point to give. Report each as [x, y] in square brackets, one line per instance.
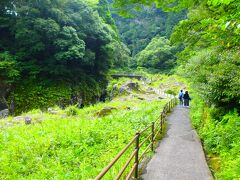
[4, 113]
[128, 87]
[114, 91]
[150, 91]
[132, 85]
[124, 90]
[28, 120]
[52, 111]
[105, 111]
[115, 87]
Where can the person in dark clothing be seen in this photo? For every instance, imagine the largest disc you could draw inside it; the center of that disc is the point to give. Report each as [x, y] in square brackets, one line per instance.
[186, 98]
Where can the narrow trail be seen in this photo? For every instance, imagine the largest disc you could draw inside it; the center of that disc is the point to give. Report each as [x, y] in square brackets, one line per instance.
[180, 155]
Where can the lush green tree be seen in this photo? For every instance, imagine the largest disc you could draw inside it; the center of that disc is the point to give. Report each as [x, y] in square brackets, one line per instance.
[9, 73]
[137, 30]
[59, 42]
[166, 5]
[211, 37]
[159, 54]
[215, 77]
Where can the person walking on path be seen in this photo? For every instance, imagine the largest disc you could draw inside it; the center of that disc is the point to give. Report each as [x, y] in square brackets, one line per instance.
[186, 98]
[180, 96]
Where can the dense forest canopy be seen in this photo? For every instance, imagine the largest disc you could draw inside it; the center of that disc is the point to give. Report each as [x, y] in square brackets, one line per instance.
[211, 63]
[61, 52]
[138, 30]
[71, 45]
[211, 36]
[56, 43]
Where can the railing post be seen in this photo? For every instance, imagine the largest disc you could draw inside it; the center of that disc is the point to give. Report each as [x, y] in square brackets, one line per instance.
[161, 122]
[136, 156]
[152, 138]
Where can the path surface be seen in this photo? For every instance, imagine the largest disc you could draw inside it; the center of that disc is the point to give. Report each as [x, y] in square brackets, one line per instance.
[180, 155]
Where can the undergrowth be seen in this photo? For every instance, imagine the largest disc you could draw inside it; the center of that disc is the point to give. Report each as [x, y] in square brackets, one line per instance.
[221, 139]
[74, 143]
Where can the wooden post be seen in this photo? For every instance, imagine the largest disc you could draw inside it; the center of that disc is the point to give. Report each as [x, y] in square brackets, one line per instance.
[152, 138]
[161, 121]
[136, 156]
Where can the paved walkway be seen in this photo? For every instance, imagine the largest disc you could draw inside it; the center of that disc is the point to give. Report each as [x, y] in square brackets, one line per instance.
[180, 155]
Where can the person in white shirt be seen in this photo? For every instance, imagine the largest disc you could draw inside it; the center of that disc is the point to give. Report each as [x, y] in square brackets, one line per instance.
[180, 96]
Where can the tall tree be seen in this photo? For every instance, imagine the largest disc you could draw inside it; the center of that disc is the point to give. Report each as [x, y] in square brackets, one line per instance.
[57, 42]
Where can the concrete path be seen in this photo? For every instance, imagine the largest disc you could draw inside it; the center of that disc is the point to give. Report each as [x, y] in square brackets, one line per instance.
[180, 155]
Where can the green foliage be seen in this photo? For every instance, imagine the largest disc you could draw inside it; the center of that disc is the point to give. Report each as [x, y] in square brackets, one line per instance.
[9, 69]
[72, 43]
[104, 12]
[72, 147]
[9, 73]
[166, 5]
[215, 76]
[220, 137]
[33, 95]
[211, 62]
[70, 46]
[159, 54]
[71, 111]
[138, 30]
[42, 94]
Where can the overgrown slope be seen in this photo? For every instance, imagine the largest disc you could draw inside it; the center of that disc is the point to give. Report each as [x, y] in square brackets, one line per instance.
[77, 143]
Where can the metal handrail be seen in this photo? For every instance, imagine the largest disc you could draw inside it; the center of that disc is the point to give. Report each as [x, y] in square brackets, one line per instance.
[126, 164]
[105, 170]
[147, 148]
[131, 172]
[154, 126]
[145, 140]
[148, 127]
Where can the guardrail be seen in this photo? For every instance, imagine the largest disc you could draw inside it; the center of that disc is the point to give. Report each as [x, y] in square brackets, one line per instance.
[156, 128]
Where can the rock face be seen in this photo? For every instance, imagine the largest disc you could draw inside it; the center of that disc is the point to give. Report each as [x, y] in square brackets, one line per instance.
[78, 99]
[105, 111]
[132, 85]
[128, 87]
[4, 113]
[114, 91]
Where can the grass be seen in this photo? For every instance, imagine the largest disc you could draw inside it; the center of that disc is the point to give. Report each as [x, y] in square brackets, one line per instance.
[77, 143]
[71, 147]
[221, 139]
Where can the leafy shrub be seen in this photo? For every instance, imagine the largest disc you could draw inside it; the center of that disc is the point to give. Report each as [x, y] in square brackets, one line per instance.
[220, 137]
[169, 91]
[71, 111]
[72, 148]
[215, 77]
[159, 54]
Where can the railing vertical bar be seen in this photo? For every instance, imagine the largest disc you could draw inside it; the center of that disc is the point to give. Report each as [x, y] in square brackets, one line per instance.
[161, 122]
[152, 138]
[136, 156]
